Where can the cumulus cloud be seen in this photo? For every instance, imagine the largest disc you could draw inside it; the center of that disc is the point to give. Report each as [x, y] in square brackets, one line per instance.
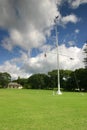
[12, 69]
[24, 65]
[77, 31]
[69, 18]
[76, 3]
[28, 22]
[71, 43]
[49, 62]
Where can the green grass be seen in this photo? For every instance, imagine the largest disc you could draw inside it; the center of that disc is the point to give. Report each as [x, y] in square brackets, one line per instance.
[40, 110]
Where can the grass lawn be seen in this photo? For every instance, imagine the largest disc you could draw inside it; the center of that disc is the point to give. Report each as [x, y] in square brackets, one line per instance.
[40, 110]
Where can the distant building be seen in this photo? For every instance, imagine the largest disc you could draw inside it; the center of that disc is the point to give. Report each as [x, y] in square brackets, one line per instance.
[14, 85]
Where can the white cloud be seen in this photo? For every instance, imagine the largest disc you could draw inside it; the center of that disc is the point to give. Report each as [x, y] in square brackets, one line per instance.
[69, 18]
[71, 52]
[11, 68]
[76, 3]
[28, 21]
[71, 43]
[77, 31]
[24, 65]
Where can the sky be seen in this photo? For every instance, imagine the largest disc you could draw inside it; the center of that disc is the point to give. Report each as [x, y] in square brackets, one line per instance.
[28, 36]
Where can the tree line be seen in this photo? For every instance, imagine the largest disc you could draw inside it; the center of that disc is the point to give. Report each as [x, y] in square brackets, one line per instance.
[69, 80]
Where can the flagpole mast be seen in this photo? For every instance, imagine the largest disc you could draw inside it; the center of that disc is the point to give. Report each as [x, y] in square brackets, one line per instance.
[58, 73]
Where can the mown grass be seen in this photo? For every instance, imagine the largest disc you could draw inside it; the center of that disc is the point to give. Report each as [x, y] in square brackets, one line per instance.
[40, 110]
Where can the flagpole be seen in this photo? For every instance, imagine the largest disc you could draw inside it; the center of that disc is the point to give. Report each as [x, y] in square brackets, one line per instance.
[58, 72]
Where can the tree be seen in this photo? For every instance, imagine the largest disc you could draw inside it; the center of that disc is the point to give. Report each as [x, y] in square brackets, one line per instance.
[85, 58]
[38, 81]
[52, 79]
[5, 78]
[81, 75]
[23, 82]
[77, 80]
[71, 82]
[64, 75]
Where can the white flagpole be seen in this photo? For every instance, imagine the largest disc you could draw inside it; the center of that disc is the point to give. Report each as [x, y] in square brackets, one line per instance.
[58, 92]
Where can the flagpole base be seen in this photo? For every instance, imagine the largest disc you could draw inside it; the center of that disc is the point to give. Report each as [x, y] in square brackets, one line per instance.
[59, 92]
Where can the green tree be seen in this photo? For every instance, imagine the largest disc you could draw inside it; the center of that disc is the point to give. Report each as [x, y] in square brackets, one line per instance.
[81, 75]
[5, 78]
[71, 82]
[38, 81]
[64, 76]
[23, 82]
[52, 79]
[85, 57]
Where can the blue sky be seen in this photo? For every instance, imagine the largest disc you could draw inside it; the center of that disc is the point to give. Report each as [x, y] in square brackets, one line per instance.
[80, 12]
[27, 32]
